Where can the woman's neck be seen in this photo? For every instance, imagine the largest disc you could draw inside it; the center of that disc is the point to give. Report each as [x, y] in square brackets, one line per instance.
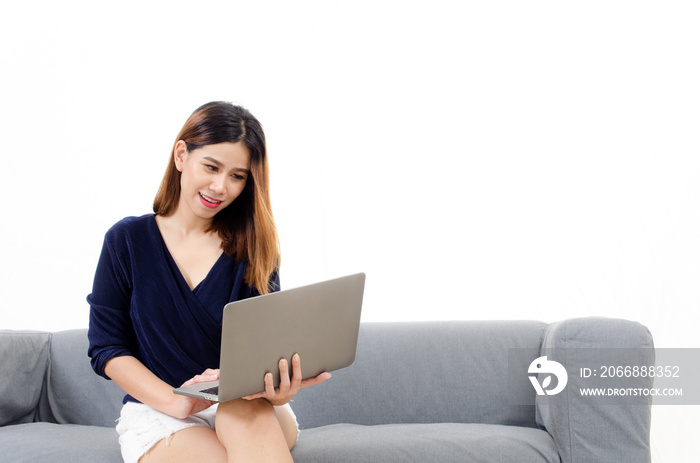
[187, 224]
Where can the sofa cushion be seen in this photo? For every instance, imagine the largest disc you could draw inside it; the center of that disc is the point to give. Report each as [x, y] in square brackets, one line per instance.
[426, 372]
[424, 442]
[72, 383]
[59, 443]
[24, 358]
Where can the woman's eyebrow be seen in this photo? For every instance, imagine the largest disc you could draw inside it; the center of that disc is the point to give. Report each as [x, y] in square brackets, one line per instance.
[210, 159]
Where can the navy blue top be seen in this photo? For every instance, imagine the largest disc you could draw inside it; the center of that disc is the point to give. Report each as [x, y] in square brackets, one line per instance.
[141, 305]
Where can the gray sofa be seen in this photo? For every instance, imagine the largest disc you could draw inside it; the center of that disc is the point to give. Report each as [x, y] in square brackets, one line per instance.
[431, 391]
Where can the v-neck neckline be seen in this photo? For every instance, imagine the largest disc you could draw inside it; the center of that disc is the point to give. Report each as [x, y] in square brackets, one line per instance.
[177, 270]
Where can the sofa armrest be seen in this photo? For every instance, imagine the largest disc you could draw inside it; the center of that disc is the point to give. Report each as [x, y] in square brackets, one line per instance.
[595, 428]
[23, 358]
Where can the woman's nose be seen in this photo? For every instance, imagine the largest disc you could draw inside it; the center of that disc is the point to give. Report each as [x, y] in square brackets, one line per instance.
[218, 185]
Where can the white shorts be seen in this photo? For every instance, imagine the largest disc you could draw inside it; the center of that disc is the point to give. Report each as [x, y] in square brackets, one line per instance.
[140, 427]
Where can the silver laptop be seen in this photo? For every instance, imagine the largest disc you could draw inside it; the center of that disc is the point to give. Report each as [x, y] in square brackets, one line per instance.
[320, 322]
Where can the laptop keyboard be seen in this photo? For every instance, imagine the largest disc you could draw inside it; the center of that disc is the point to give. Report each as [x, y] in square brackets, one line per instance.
[212, 390]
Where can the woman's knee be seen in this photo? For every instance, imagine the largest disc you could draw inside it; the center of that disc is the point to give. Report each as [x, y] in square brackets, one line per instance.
[256, 416]
[244, 413]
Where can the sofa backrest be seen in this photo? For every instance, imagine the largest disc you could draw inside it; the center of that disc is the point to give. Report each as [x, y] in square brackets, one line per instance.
[426, 372]
[75, 394]
[422, 372]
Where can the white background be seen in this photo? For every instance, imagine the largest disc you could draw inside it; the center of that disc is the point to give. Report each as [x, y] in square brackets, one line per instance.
[477, 159]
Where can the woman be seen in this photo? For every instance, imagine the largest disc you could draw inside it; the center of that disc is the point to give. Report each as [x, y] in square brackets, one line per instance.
[160, 286]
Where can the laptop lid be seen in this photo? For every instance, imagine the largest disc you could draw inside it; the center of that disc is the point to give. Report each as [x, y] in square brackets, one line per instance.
[320, 322]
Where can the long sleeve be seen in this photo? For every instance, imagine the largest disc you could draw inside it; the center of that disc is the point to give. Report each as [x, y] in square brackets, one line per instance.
[110, 331]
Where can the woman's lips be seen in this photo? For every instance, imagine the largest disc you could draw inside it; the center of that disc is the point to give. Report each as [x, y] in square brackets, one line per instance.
[209, 202]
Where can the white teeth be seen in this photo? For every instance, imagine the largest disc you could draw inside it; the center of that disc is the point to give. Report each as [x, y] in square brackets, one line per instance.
[209, 200]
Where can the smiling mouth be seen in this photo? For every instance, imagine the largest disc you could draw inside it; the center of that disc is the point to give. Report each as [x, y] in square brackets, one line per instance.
[209, 202]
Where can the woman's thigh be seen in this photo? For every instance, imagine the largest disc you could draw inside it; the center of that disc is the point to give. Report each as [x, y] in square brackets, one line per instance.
[288, 423]
[150, 436]
[196, 443]
[141, 427]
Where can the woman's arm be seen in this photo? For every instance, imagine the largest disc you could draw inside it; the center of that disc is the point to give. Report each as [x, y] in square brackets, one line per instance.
[140, 383]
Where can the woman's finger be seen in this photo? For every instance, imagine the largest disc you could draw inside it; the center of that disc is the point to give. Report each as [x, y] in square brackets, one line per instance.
[284, 375]
[296, 372]
[269, 386]
[315, 380]
[204, 377]
[267, 393]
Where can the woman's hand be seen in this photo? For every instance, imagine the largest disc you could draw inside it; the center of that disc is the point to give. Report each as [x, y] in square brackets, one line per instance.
[287, 389]
[184, 406]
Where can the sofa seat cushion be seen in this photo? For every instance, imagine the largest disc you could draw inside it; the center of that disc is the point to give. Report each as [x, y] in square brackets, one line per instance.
[58, 443]
[442, 442]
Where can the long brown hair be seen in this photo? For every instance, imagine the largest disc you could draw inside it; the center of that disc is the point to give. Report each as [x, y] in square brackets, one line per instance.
[246, 227]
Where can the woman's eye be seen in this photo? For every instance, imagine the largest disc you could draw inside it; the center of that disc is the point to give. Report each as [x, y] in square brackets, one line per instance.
[211, 168]
[238, 177]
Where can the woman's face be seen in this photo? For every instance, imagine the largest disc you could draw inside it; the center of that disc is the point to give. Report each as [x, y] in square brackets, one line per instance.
[213, 176]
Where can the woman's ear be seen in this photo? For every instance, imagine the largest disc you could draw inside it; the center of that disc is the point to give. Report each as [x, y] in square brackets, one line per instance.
[179, 153]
